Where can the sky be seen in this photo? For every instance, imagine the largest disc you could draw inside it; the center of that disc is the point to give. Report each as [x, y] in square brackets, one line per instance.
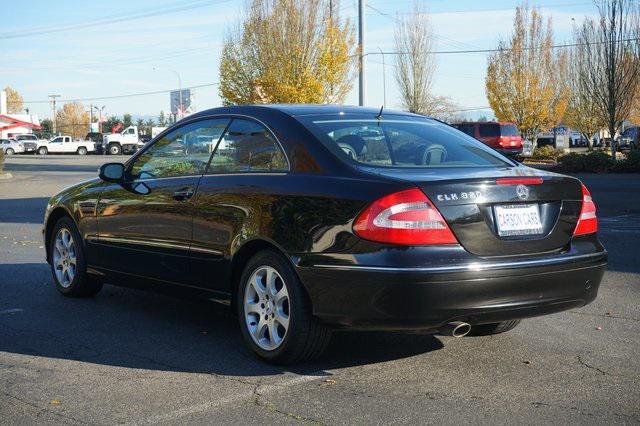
[94, 49]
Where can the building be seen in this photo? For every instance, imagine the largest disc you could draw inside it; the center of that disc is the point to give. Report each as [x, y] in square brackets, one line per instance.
[15, 124]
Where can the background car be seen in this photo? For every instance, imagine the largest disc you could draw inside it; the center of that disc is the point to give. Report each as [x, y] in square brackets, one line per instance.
[30, 143]
[503, 137]
[629, 139]
[11, 146]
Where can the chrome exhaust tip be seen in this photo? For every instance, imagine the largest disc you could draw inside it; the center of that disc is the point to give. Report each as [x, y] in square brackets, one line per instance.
[456, 329]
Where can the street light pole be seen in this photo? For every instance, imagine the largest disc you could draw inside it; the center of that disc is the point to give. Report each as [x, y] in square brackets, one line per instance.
[384, 79]
[99, 109]
[180, 106]
[361, 57]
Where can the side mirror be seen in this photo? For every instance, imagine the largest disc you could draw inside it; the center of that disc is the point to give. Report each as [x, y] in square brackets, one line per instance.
[111, 172]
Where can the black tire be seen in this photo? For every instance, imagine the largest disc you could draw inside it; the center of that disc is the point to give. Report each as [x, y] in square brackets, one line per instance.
[114, 149]
[306, 338]
[82, 151]
[82, 285]
[9, 151]
[493, 328]
[43, 150]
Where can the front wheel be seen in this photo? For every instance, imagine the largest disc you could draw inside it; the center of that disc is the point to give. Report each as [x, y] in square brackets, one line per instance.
[493, 328]
[115, 149]
[68, 263]
[9, 151]
[42, 150]
[275, 312]
[82, 151]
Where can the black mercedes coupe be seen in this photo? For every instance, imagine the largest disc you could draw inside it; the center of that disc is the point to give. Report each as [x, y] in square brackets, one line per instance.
[308, 218]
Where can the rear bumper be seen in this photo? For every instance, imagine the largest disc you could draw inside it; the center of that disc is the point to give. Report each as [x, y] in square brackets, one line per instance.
[510, 152]
[428, 297]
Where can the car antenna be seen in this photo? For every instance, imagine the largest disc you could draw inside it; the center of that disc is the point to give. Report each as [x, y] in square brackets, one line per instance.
[380, 113]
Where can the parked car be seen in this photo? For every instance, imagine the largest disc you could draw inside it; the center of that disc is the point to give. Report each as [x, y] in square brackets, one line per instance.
[11, 146]
[65, 145]
[302, 226]
[629, 139]
[29, 141]
[126, 142]
[503, 137]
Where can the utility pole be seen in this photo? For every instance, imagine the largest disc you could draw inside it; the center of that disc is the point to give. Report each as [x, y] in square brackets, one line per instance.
[362, 86]
[53, 106]
[384, 79]
[90, 116]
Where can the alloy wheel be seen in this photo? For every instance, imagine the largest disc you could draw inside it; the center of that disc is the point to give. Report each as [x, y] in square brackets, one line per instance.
[266, 308]
[64, 257]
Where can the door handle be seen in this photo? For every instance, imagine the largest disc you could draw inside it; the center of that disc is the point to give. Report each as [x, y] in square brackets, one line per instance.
[183, 194]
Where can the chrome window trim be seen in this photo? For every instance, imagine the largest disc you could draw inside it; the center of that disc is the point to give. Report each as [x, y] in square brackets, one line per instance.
[230, 116]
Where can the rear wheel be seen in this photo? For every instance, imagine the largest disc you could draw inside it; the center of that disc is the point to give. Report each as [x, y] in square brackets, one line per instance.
[10, 151]
[42, 150]
[493, 328]
[275, 312]
[82, 151]
[115, 149]
[68, 264]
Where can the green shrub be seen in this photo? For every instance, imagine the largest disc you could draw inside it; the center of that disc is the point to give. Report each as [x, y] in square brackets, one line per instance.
[573, 162]
[1, 160]
[593, 162]
[546, 152]
[630, 164]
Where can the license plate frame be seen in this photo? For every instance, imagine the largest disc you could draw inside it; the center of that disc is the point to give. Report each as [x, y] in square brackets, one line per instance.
[516, 220]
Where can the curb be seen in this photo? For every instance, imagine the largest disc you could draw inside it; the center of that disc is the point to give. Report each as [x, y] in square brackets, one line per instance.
[5, 176]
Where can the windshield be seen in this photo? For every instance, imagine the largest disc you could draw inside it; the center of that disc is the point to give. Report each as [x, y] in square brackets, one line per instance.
[400, 141]
[509, 130]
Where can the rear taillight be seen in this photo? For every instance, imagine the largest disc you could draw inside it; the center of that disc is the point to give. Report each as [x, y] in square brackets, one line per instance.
[588, 222]
[405, 217]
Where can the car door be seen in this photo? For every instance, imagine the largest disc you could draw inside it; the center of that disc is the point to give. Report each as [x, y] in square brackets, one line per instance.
[145, 223]
[55, 145]
[234, 197]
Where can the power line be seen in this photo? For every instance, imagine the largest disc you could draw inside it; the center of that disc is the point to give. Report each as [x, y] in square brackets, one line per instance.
[128, 95]
[505, 49]
[110, 20]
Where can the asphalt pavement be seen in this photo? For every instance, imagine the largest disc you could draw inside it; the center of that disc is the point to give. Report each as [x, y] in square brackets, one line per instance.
[127, 356]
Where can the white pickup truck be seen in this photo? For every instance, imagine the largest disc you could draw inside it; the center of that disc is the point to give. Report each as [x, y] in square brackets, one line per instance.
[64, 145]
[126, 142]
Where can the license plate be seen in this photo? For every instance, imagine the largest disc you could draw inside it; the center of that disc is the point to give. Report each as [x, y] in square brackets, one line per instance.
[518, 219]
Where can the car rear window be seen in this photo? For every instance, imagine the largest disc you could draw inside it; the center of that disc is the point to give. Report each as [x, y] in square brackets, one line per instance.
[489, 130]
[509, 130]
[400, 141]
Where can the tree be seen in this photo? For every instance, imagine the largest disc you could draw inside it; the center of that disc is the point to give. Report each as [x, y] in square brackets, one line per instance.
[582, 112]
[72, 120]
[46, 130]
[162, 119]
[526, 82]
[140, 125]
[288, 51]
[111, 122]
[127, 120]
[413, 38]
[612, 56]
[635, 109]
[148, 126]
[15, 103]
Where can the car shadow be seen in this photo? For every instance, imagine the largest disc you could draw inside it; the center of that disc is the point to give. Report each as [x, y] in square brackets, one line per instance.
[143, 330]
[23, 210]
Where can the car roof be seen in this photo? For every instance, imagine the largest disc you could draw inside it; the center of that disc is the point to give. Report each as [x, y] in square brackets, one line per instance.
[303, 109]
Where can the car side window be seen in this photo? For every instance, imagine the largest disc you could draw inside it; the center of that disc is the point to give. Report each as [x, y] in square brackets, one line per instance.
[247, 146]
[183, 152]
[489, 130]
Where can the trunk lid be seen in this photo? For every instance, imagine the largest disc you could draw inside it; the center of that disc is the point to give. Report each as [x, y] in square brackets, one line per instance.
[483, 206]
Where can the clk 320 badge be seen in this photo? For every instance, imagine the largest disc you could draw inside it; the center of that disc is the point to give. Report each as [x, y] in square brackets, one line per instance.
[471, 195]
